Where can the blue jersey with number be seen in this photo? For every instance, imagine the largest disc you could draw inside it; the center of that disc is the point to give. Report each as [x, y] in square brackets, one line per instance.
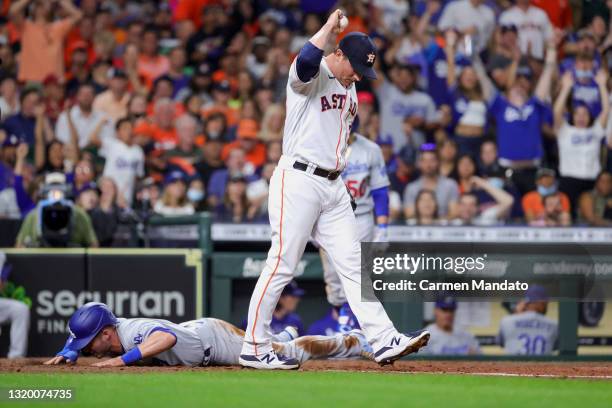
[528, 333]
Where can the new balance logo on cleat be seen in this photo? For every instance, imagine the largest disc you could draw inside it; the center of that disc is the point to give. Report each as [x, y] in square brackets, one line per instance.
[269, 361]
[401, 346]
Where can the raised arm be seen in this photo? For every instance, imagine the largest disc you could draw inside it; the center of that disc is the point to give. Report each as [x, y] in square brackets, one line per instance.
[74, 14]
[449, 50]
[309, 58]
[503, 199]
[604, 96]
[542, 91]
[488, 88]
[567, 82]
[432, 8]
[39, 138]
[18, 7]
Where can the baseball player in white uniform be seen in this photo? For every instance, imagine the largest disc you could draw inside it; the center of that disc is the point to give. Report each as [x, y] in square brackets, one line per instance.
[529, 331]
[95, 330]
[17, 314]
[307, 197]
[365, 176]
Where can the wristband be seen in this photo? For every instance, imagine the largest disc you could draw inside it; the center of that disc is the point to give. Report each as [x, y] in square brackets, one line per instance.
[383, 226]
[131, 356]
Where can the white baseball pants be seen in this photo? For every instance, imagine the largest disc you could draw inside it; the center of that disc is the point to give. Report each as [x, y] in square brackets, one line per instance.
[333, 284]
[301, 205]
[18, 314]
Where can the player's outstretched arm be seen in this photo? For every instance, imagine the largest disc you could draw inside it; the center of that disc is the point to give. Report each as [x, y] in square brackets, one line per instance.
[157, 342]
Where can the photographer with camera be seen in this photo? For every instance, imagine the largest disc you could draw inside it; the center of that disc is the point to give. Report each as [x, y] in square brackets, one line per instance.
[56, 221]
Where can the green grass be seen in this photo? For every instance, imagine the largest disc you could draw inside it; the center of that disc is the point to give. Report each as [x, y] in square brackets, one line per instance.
[313, 390]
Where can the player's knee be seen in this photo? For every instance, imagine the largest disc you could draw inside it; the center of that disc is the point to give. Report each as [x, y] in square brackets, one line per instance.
[21, 311]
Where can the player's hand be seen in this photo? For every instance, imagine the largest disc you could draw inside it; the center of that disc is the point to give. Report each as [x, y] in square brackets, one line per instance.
[57, 360]
[113, 362]
[334, 21]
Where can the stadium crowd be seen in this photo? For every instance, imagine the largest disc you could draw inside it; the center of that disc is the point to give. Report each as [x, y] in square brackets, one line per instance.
[487, 112]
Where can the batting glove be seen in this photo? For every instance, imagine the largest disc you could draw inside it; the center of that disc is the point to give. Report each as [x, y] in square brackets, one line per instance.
[67, 353]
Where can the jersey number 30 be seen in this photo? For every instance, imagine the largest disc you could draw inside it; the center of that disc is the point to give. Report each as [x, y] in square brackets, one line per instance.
[535, 345]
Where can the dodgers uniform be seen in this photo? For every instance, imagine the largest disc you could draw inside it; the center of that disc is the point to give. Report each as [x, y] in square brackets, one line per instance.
[307, 198]
[528, 333]
[211, 341]
[365, 171]
[443, 343]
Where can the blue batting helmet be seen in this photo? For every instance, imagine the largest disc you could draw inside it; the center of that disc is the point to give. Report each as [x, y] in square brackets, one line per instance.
[87, 322]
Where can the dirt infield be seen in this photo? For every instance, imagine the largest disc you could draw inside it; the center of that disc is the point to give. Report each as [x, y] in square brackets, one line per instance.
[601, 370]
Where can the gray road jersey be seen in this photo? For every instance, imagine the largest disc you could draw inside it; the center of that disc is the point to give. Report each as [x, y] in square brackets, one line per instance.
[528, 333]
[188, 350]
[365, 171]
[456, 343]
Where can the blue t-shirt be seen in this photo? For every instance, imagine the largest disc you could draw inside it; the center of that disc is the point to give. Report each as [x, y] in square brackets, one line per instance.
[6, 176]
[519, 133]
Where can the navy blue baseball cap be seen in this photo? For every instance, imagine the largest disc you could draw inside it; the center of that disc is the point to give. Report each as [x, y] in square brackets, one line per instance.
[536, 293]
[175, 175]
[446, 303]
[292, 289]
[361, 53]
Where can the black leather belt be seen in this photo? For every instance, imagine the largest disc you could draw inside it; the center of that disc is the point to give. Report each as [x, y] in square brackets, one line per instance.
[318, 171]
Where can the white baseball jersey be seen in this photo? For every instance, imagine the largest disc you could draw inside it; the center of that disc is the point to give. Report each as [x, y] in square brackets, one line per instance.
[365, 171]
[123, 165]
[534, 28]
[528, 333]
[457, 343]
[320, 113]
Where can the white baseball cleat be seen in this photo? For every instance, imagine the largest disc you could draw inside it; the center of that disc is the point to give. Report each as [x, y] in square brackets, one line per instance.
[269, 361]
[401, 346]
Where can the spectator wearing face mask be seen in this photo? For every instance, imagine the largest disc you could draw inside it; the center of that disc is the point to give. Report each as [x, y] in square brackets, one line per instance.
[579, 139]
[196, 194]
[533, 202]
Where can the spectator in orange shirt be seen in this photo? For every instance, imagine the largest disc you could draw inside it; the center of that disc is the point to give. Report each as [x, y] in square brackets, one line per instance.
[151, 64]
[533, 202]
[255, 151]
[161, 130]
[42, 41]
